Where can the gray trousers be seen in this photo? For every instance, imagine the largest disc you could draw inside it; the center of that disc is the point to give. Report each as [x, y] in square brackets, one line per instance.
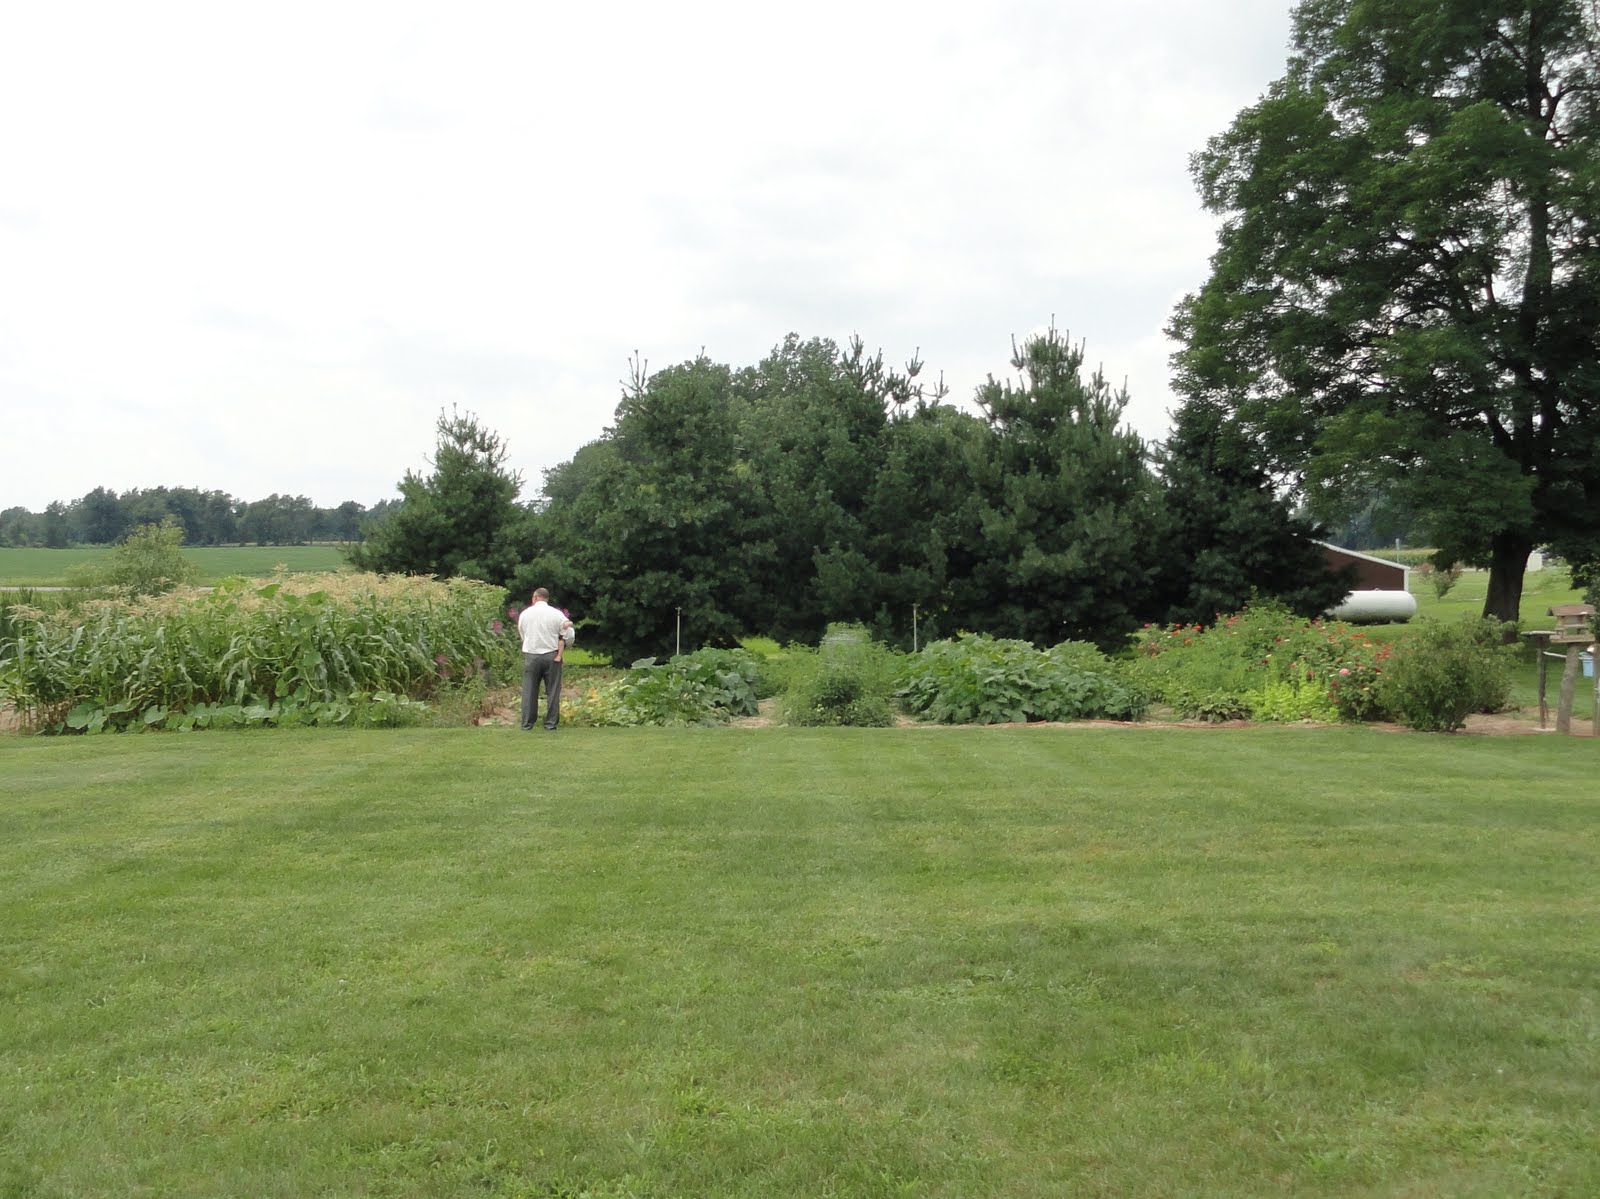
[534, 668]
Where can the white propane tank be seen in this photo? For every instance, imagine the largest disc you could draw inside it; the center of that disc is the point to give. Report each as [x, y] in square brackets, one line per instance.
[1376, 607]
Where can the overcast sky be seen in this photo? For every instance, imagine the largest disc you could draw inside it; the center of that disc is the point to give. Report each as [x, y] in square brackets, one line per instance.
[257, 248]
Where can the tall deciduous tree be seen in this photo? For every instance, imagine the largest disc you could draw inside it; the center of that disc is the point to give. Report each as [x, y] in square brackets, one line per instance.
[57, 524]
[101, 517]
[454, 520]
[1407, 281]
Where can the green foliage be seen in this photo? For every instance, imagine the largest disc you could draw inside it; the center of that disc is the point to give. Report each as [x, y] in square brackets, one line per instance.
[1231, 535]
[1290, 700]
[1587, 576]
[978, 679]
[845, 488]
[149, 561]
[832, 500]
[861, 480]
[455, 520]
[1405, 297]
[1442, 673]
[707, 687]
[209, 518]
[39, 567]
[846, 681]
[298, 650]
[1068, 508]
[1440, 578]
[378, 709]
[641, 529]
[15, 607]
[1264, 662]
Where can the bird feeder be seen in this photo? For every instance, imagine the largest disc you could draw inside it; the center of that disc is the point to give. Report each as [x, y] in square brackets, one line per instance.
[1572, 624]
[1572, 632]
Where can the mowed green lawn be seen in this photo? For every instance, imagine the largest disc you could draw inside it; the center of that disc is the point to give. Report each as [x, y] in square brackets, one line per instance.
[30, 567]
[747, 962]
[1540, 590]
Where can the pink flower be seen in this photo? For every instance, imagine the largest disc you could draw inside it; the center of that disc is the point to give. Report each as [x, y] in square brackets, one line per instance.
[1344, 670]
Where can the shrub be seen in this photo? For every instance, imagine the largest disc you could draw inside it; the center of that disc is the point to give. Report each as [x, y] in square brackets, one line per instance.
[837, 694]
[706, 687]
[1444, 672]
[1241, 665]
[1440, 578]
[1201, 676]
[848, 680]
[149, 561]
[977, 679]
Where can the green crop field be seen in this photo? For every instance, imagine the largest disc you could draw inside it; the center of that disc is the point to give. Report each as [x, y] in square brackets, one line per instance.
[1016, 962]
[30, 567]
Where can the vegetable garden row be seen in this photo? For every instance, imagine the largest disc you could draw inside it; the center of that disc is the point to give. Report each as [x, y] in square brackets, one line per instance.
[335, 649]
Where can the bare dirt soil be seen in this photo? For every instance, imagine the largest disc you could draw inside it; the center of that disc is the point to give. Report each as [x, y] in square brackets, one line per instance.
[503, 707]
[1508, 724]
[1500, 725]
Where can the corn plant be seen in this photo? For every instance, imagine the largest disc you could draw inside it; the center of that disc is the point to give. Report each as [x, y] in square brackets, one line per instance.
[296, 645]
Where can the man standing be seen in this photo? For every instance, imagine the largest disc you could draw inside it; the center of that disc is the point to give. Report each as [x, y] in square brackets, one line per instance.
[545, 631]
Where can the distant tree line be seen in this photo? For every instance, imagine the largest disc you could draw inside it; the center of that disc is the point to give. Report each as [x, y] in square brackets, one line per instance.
[820, 485]
[105, 517]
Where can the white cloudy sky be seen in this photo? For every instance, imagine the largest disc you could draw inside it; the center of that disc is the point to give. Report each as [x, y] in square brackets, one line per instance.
[259, 247]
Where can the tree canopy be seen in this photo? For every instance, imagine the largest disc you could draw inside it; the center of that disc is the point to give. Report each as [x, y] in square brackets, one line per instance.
[1070, 515]
[207, 518]
[822, 485]
[453, 520]
[1230, 534]
[1406, 289]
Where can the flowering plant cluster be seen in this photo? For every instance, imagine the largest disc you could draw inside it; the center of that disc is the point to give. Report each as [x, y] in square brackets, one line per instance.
[1265, 661]
[1354, 687]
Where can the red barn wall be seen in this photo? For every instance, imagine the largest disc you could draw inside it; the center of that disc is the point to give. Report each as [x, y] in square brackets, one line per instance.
[1372, 574]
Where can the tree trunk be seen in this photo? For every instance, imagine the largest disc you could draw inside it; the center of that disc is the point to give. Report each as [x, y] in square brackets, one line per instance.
[1507, 564]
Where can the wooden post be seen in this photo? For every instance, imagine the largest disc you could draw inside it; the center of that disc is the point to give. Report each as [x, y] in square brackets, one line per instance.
[1573, 630]
[1540, 641]
[1544, 698]
[1569, 682]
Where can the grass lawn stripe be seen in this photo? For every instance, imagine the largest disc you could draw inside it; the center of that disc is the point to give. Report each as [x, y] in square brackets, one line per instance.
[897, 962]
